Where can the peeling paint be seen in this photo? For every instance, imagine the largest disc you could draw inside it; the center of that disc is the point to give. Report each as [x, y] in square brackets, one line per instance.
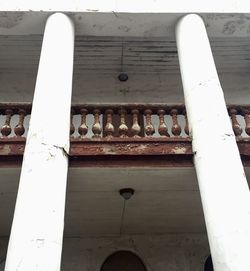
[124, 28]
[92, 10]
[231, 27]
[5, 150]
[40, 242]
[10, 19]
[179, 150]
[51, 147]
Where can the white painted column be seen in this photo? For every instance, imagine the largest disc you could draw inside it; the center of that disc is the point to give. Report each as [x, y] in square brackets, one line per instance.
[37, 229]
[224, 190]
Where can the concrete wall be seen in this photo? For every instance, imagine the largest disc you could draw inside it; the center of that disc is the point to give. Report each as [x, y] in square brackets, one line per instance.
[182, 252]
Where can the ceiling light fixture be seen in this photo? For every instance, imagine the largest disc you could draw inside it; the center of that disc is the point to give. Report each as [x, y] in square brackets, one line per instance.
[127, 193]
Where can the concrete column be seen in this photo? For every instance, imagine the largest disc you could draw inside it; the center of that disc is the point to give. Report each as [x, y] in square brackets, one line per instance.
[37, 229]
[223, 186]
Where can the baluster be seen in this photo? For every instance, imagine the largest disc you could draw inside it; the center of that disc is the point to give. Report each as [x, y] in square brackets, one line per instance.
[72, 127]
[176, 128]
[135, 129]
[19, 129]
[186, 128]
[149, 128]
[96, 128]
[109, 127]
[247, 120]
[6, 129]
[162, 128]
[236, 126]
[123, 128]
[83, 128]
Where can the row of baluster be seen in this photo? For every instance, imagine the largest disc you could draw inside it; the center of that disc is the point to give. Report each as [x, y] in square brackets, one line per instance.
[123, 129]
[149, 129]
[19, 129]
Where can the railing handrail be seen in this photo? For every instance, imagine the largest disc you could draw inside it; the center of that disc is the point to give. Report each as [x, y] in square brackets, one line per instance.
[76, 107]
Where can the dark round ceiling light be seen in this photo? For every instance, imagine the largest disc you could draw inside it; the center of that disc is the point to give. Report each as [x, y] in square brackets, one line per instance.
[127, 193]
[123, 77]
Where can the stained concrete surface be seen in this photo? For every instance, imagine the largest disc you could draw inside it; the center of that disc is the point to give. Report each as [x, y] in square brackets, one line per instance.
[173, 252]
[165, 201]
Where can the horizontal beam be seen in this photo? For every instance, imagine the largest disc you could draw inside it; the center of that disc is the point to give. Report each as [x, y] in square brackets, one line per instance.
[116, 106]
[155, 19]
[160, 152]
[129, 6]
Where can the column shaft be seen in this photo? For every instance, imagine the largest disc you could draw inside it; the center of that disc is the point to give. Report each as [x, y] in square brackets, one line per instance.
[223, 187]
[37, 229]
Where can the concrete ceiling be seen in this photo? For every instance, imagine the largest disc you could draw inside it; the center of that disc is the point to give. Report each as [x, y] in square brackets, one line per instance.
[107, 55]
[151, 64]
[165, 201]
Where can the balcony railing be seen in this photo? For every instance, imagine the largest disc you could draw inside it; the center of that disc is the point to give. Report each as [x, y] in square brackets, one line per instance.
[106, 130]
[111, 121]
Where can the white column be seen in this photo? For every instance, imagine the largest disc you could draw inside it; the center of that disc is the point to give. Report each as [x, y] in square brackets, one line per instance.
[37, 229]
[222, 181]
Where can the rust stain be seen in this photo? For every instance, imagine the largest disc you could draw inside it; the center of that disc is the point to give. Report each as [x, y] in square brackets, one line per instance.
[133, 148]
[112, 153]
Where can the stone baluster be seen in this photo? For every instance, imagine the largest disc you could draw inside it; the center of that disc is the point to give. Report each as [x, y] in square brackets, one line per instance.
[186, 128]
[6, 129]
[247, 121]
[72, 127]
[109, 127]
[96, 128]
[19, 129]
[149, 128]
[162, 128]
[236, 126]
[135, 129]
[83, 128]
[176, 128]
[123, 128]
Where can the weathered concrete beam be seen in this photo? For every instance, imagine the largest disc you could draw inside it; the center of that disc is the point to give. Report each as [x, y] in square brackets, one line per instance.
[152, 20]
[129, 6]
[129, 152]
